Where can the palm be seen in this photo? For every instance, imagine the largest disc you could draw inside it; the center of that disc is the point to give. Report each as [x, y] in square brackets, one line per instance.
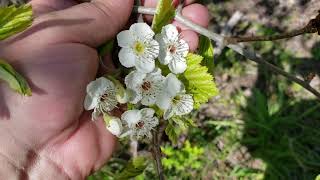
[58, 74]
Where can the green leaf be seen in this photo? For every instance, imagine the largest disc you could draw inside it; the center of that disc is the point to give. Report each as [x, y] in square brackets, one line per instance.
[206, 51]
[105, 48]
[14, 19]
[165, 13]
[318, 177]
[198, 81]
[176, 125]
[14, 79]
[135, 167]
[172, 131]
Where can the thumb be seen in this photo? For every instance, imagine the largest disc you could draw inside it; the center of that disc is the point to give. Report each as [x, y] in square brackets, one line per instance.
[90, 23]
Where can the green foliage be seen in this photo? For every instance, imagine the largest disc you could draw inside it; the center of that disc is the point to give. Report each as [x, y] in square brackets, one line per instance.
[182, 161]
[198, 81]
[283, 137]
[318, 177]
[14, 79]
[244, 173]
[105, 48]
[172, 131]
[165, 13]
[206, 51]
[14, 19]
[135, 167]
[176, 125]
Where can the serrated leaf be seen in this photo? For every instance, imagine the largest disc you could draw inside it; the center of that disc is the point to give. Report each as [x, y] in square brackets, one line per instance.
[206, 51]
[14, 19]
[135, 167]
[172, 132]
[165, 13]
[14, 79]
[198, 81]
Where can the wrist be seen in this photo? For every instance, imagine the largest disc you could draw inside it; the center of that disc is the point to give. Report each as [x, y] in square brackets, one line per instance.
[17, 161]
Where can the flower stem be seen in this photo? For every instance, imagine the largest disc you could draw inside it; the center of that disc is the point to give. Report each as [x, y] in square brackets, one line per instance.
[157, 153]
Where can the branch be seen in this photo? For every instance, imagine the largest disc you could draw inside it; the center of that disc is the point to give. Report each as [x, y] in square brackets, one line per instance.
[311, 27]
[249, 54]
[157, 154]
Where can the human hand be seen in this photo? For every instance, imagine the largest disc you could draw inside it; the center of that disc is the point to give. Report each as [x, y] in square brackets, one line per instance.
[48, 135]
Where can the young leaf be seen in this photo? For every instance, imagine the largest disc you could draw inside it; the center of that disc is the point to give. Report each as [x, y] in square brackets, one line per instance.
[198, 81]
[14, 79]
[172, 131]
[206, 51]
[165, 13]
[135, 167]
[14, 19]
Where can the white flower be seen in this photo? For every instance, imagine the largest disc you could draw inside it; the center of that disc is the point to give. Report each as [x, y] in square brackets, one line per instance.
[173, 99]
[114, 125]
[173, 50]
[140, 123]
[146, 86]
[101, 97]
[139, 49]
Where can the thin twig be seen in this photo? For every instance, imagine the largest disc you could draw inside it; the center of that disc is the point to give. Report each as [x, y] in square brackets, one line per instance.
[157, 153]
[249, 54]
[304, 30]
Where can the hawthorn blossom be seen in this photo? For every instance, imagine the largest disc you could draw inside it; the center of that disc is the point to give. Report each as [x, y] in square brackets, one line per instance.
[173, 50]
[140, 123]
[139, 49]
[146, 87]
[114, 125]
[173, 99]
[101, 97]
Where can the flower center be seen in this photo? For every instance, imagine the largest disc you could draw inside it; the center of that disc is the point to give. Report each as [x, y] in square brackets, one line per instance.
[139, 47]
[146, 86]
[104, 97]
[172, 49]
[176, 99]
[140, 124]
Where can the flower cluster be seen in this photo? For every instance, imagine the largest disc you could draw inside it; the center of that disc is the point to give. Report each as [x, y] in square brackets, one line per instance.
[147, 88]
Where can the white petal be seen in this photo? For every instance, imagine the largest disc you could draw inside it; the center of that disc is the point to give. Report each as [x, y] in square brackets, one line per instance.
[145, 65]
[172, 85]
[165, 57]
[136, 97]
[163, 101]
[127, 57]
[95, 114]
[142, 30]
[99, 86]
[126, 38]
[115, 126]
[148, 100]
[134, 79]
[183, 48]
[90, 102]
[131, 117]
[152, 50]
[185, 105]
[168, 113]
[170, 32]
[126, 134]
[178, 65]
[147, 112]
